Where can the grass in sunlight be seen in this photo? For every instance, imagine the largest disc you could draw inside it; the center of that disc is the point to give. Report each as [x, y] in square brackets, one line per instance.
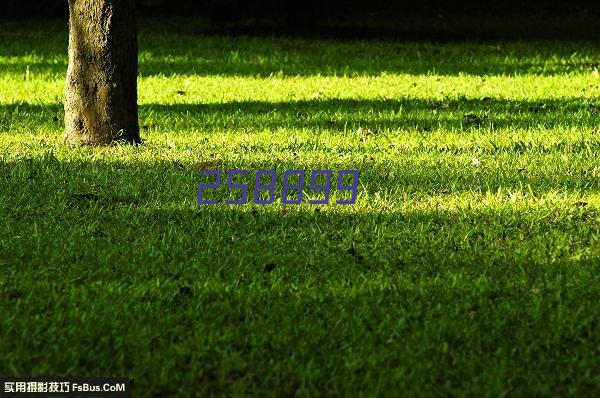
[469, 263]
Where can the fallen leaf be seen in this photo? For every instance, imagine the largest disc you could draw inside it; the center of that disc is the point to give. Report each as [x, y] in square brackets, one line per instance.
[472, 118]
[473, 311]
[207, 165]
[364, 132]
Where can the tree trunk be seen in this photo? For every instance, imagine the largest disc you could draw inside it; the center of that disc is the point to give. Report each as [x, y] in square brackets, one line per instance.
[101, 87]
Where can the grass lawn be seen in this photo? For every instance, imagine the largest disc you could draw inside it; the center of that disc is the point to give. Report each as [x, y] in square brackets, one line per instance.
[469, 265]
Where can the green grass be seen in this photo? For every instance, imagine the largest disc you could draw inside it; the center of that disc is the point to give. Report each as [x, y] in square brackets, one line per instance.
[446, 277]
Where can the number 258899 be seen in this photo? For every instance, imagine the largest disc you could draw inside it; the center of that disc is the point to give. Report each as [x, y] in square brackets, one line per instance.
[294, 181]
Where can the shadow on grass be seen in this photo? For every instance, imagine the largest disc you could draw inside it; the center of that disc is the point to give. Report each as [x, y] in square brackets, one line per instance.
[344, 115]
[199, 55]
[130, 262]
[159, 198]
[381, 115]
[222, 312]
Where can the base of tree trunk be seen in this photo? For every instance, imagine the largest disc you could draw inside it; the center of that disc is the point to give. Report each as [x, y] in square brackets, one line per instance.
[101, 86]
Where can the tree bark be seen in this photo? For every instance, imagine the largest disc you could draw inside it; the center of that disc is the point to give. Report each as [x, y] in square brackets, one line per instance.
[101, 87]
